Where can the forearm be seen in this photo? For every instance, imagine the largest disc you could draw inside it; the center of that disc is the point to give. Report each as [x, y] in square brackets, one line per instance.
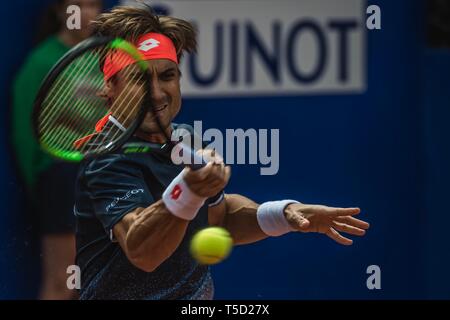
[240, 219]
[152, 235]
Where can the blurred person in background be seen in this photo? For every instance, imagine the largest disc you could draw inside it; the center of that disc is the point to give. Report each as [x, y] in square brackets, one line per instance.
[49, 183]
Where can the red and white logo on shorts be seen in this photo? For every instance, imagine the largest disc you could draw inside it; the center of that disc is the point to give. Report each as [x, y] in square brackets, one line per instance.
[176, 192]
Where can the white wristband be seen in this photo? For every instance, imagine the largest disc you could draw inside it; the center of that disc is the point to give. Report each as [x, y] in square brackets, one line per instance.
[181, 201]
[271, 217]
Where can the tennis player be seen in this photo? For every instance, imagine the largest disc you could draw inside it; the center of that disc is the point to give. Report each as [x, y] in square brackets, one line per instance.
[136, 210]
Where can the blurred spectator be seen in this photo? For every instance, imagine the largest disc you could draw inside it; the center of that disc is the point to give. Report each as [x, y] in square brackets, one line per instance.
[50, 183]
[438, 23]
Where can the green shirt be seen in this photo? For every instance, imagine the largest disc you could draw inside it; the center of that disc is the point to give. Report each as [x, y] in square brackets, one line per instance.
[30, 157]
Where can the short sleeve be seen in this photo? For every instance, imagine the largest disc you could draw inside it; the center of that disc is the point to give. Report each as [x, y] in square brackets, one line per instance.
[115, 187]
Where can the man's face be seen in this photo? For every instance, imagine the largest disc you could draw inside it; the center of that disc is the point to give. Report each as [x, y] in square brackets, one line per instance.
[165, 94]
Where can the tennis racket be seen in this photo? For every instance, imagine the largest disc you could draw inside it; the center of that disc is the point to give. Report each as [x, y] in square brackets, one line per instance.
[73, 119]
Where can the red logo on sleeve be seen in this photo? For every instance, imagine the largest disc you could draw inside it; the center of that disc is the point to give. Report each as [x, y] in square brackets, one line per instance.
[176, 192]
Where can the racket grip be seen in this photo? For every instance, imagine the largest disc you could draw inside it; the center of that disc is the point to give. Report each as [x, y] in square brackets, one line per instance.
[197, 161]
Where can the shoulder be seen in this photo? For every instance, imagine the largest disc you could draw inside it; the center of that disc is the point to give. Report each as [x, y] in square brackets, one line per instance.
[49, 50]
[41, 59]
[116, 163]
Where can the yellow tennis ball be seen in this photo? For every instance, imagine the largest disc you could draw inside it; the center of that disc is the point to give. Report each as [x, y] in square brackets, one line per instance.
[211, 245]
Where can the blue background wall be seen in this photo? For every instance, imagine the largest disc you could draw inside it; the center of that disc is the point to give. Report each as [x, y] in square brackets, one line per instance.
[384, 150]
[436, 114]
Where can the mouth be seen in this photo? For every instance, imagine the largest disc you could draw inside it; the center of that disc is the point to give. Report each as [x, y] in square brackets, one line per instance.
[159, 108]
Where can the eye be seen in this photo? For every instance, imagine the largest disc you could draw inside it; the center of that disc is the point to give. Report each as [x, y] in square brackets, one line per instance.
[168, 76]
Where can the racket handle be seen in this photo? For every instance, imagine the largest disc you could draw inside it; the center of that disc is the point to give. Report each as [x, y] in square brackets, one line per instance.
[198, 161]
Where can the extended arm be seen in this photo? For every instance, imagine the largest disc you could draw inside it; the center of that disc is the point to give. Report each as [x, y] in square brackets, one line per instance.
[239, 215]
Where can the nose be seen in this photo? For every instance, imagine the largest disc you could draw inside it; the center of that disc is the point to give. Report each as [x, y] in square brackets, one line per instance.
[158, 95]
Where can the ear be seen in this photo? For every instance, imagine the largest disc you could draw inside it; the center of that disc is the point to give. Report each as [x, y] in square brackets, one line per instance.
[107, 91]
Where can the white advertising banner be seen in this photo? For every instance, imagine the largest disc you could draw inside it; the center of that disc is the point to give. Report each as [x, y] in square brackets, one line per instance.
[283, 47]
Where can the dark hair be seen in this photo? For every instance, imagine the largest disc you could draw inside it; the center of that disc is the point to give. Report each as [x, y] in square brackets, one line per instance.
[130, 22]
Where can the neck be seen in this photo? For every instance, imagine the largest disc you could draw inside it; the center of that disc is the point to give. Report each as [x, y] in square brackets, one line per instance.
[68, 38]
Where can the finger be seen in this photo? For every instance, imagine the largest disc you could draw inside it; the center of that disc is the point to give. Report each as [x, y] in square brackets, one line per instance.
[211, 187]
[217, 178]
[353, 222]
[333, 234]
[224, 170]
[199, 175]
[204, 172]
[215, 181]
[348, 229]
[217, 172]
[227, 173]
[217, 158]
[331, 211]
